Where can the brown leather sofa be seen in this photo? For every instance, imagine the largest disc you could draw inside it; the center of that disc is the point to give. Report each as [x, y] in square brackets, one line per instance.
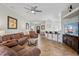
[33, 34]
[6, 51]
[14, 39]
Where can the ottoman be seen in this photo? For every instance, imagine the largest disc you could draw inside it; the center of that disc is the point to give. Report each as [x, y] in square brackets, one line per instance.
[32, 41]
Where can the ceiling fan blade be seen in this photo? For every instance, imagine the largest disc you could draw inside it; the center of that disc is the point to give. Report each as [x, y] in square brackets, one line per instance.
[27, 11]
[38, 10]
[33, 8]
[27, 8]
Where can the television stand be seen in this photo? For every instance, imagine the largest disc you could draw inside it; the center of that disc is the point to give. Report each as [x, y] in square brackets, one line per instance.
[72, 41]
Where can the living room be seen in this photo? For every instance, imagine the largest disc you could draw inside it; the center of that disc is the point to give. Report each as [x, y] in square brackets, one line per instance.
[39, 29]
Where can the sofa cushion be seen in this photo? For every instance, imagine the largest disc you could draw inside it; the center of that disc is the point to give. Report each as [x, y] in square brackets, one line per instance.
[33, 34]
[14, 36]
[29, 51]
[6, 37]
[25, 52]
[18, 48]
[28, 36]
[17, 35]
[5, 51]
[0, 39]
[35, 51]
[21, 34]
[22, 40]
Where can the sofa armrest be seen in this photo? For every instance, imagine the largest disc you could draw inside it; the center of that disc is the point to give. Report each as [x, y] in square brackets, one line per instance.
[21, 41]
[5, 51]
[9, 43]
[30, 51]
[27, 36]
[6, 41]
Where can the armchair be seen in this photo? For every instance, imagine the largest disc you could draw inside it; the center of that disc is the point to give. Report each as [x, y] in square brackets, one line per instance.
[33, 34]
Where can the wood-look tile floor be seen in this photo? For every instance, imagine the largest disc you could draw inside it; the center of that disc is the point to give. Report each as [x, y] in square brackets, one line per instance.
[52, 48]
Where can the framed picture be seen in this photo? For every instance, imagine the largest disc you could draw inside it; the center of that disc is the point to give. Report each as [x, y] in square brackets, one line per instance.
[12, 23]
[27, 25]
[43, 27]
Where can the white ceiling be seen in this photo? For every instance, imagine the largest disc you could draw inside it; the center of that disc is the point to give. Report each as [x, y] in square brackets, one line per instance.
[50, 10]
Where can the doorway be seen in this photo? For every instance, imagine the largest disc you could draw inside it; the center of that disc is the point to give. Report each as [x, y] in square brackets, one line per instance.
[38, 29]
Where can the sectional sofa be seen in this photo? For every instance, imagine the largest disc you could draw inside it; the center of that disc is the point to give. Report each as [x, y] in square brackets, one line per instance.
[11, 40]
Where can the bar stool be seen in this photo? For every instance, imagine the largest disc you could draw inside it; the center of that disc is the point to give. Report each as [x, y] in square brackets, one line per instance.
[46, 34]
[50, 35]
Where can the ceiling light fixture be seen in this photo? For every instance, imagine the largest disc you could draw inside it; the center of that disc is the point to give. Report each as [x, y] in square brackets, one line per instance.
[33, 12]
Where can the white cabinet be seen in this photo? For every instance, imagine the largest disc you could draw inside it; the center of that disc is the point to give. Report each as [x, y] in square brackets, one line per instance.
[55, 37]
[50, 36]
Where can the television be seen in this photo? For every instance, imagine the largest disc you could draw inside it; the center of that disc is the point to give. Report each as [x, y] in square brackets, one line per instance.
[72, 28]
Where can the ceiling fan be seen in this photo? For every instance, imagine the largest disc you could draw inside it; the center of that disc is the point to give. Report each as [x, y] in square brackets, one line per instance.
[33, 9]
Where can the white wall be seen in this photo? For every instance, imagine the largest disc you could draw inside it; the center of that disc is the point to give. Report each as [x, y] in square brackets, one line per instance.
[4, 12]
